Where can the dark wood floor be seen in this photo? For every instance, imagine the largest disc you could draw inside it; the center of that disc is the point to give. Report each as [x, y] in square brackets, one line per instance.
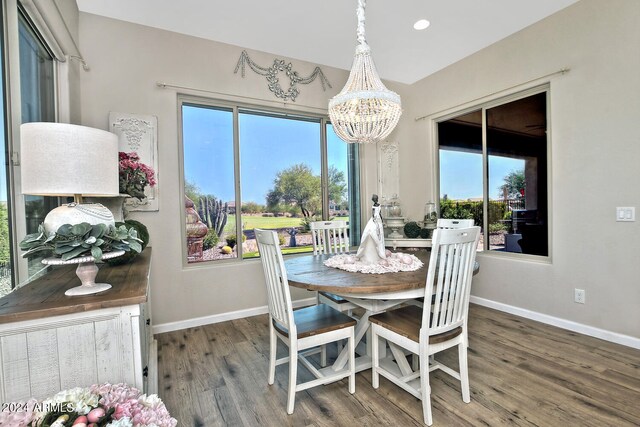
[521, 373]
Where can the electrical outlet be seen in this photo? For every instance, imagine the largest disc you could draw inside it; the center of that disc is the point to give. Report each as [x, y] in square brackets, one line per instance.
[626, 214]
[579, 296]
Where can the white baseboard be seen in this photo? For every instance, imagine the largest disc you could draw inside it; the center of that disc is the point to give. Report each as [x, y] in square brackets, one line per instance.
[222, 317]
[580, 328]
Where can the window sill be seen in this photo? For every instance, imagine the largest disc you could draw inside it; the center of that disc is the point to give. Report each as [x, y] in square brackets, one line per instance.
[537, 259]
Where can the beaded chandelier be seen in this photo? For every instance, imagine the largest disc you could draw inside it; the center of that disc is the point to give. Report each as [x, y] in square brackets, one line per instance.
[365, 111]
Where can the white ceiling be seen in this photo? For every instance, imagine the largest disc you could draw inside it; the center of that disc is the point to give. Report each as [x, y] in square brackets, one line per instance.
[323, 31]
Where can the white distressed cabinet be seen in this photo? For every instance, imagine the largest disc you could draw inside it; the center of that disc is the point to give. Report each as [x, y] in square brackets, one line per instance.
[50, 342]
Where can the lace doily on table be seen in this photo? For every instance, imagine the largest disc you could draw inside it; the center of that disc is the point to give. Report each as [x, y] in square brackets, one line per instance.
[394, 263]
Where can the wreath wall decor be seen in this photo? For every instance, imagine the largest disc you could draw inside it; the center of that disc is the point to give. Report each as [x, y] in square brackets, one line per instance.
[273, 80]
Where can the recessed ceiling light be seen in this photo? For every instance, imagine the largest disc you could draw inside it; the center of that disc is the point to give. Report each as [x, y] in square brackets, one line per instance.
[421, 24]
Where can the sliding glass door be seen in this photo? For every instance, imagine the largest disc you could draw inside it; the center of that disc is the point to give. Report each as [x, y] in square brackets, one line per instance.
[37, 104]
[6, 264]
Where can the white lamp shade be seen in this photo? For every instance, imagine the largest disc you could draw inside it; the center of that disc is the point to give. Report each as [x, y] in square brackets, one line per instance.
[60, 159]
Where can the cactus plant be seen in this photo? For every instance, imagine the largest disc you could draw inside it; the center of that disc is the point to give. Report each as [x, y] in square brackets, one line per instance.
[213, 213]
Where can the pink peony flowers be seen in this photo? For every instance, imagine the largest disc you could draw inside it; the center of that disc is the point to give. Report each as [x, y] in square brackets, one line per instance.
[109, 405]
[134, 176]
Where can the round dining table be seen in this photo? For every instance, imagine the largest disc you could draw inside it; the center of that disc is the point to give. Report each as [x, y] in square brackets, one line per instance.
[375, 293]
[309, 272]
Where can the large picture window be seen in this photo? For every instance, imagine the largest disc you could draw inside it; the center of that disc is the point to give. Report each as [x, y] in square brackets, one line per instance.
[493, 168]
[247, 168]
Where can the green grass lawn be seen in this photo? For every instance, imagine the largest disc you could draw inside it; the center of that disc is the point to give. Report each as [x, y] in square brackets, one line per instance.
[285, 251]
[250, 222]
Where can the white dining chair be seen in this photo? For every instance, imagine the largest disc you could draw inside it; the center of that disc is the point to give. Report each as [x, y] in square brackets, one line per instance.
[427, 332]
[445, 223]
[302, 329]
[331, 237]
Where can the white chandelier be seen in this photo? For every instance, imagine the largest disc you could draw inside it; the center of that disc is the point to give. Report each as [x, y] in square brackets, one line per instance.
[365, 111]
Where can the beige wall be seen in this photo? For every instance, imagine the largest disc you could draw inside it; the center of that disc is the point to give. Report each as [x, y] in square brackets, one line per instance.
[595, 140]
[69, 72]
[594, 136]
[126, 62]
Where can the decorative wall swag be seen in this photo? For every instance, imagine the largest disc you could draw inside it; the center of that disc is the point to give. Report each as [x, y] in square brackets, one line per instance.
[273, 81]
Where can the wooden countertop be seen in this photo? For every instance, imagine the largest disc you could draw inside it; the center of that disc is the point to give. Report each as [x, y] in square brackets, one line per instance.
[44, 297]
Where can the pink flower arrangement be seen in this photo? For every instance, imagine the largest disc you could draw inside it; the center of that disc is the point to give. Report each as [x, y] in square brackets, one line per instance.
[134, 176]
[109, 405]
[19, 414]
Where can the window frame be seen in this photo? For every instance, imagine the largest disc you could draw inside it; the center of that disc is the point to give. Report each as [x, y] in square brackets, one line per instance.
[8, 146]
[12, 10]
[483, 104]
[237, 108]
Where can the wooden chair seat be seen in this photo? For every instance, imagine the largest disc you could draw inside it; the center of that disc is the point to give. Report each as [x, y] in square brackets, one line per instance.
[419, 331]
[406, 321]
[316, 319]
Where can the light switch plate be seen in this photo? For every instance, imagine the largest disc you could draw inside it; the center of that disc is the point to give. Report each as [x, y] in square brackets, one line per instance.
[625, 214]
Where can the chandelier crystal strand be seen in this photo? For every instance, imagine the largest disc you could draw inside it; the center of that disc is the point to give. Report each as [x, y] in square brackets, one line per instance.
[365, 111]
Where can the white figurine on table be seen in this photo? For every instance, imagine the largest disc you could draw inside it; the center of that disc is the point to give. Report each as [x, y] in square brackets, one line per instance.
[371, 250]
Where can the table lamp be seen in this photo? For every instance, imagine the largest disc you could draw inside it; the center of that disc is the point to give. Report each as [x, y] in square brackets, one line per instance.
[60, 159]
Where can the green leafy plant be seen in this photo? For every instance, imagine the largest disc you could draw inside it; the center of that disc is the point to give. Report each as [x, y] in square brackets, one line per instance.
[143, 231]
[231, 240]
[306, 222]
[210, 240]
[5, 241]
[497, 227]
[71, 241]
[143, 235]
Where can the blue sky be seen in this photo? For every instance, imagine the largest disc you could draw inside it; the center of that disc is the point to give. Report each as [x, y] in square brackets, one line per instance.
[267, 146]
[461, 174]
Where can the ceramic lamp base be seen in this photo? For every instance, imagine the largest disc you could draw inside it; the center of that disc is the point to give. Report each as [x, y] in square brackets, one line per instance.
[87, 289]
[86, 271]
[75, 213]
